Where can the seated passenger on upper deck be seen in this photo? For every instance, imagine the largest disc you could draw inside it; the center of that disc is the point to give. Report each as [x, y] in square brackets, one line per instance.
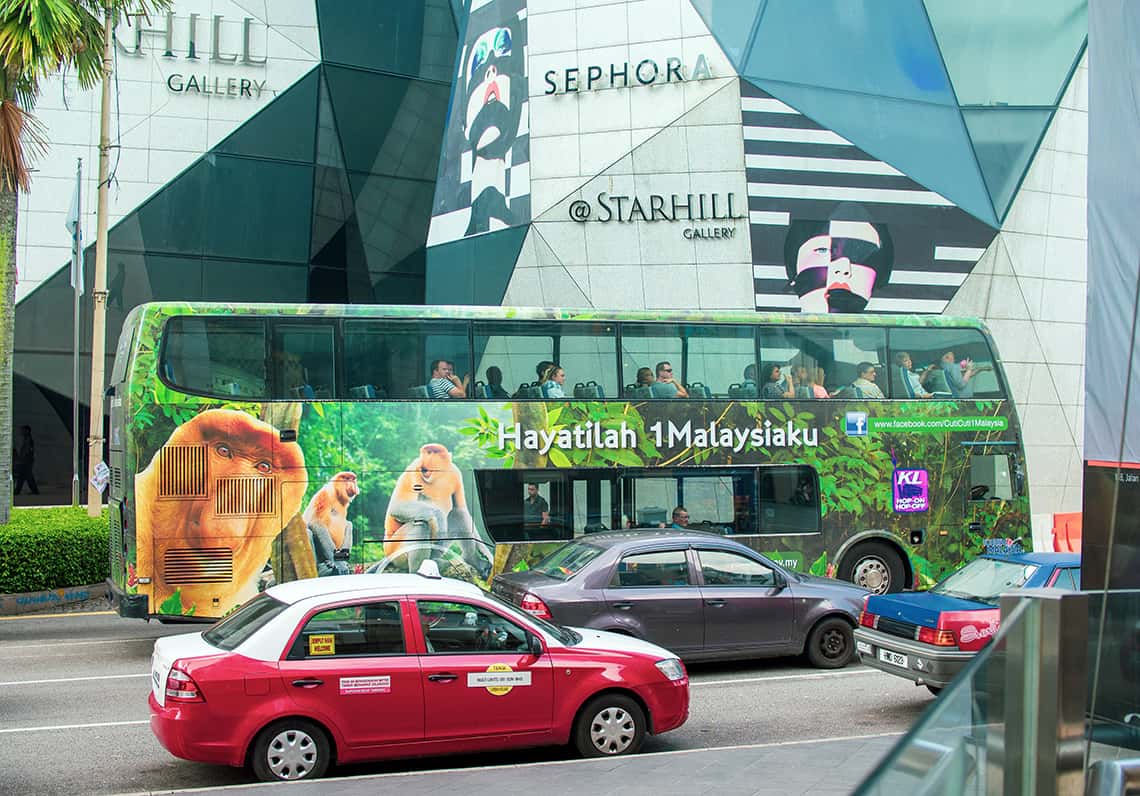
[665, 386]
[444, 383]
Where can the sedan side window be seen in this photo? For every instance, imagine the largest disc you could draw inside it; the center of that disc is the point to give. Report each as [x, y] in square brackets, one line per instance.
[1065, 579]
[666, 568]
[722, 568]
[351, 631]
[461, 628]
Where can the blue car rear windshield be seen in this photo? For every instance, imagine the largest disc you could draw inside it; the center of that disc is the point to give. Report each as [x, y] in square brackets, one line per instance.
[565, 562]
[244, 622]
[984, 579]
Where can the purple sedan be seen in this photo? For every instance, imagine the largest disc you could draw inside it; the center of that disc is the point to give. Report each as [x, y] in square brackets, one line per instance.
[699, 595]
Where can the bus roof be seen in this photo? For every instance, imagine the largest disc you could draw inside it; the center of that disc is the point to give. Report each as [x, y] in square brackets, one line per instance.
[421, 312]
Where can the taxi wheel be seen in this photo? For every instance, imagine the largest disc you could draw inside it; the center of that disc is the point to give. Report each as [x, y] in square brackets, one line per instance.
[291, 749]
[609, 725]
[831, 644]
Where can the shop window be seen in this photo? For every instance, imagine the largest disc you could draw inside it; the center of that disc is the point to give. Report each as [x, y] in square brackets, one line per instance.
[304, 361]
[835, 362]
[351, 631]
[990, 477]
[392, 359]
[946, 363]
[215, 356]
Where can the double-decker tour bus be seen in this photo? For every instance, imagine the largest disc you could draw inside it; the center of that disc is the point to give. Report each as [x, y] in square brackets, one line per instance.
[252, 444]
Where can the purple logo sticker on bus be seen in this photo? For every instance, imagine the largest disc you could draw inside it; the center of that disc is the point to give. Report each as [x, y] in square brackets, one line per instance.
[911, 489]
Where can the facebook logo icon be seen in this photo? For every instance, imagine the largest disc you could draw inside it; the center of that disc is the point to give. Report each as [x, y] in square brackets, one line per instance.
[856, 424]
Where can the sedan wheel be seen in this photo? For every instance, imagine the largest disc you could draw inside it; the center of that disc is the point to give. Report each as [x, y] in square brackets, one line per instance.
[609, 725]
[831, 644]
[289, 750]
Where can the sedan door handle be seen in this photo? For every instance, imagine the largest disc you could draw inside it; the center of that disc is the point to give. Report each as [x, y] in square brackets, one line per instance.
[623, 606]
[308, 683]
[715, 603]
[443, 677]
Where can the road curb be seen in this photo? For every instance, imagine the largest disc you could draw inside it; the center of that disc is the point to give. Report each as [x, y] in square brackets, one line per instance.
[27, 602]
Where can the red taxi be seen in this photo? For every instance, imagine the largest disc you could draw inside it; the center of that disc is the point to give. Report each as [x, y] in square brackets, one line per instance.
[367, 667]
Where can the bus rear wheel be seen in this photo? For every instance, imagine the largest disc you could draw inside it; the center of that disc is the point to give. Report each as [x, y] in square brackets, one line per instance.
[875, 566]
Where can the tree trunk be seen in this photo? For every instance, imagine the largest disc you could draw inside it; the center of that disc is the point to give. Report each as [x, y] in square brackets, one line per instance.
[8, 204]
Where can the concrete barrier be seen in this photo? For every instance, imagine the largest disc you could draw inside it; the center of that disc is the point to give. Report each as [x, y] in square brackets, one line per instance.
[12, 604]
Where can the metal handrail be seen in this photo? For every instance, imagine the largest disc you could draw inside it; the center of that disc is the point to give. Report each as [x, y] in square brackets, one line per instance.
[1114, 778]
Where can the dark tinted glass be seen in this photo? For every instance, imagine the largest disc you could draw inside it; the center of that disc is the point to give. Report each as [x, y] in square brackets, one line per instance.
[304, 357]
[215, 356]
[512, 514]
[351, 631]
[723, 568]
[668, 568]
[392, 359]
[789, 500]
[410, 37]
[243, 622]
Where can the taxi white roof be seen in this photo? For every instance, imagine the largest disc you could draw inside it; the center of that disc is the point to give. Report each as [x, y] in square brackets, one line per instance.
[382, 585]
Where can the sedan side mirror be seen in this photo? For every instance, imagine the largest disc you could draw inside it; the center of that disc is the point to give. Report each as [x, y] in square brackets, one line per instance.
[535, 644]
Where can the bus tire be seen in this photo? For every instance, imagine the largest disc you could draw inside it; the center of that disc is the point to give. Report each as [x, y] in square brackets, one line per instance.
[291, 749]
[874, 566]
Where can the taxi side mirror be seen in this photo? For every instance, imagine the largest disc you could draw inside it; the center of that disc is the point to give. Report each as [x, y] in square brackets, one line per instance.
[535, 644]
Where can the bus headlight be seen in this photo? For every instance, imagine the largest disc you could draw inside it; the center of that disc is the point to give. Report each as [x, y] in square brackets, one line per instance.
[672, 669]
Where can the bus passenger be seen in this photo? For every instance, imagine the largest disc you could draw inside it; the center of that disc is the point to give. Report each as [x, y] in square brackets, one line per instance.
[495, 383]
[776, 387]
[444, 383]
[644, 377]
[680, 519]
[817, 388]
[665, 386]
[552, 381]
[803, 384]
[912, 381]
[864, 385]
[536, 511]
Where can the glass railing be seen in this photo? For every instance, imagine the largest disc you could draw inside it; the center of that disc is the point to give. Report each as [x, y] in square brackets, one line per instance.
[1057, 691]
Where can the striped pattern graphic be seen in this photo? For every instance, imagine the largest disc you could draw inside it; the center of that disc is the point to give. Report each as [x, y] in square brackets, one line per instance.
[798, 170]
[182, 471]
[184, 565]
[245, 496]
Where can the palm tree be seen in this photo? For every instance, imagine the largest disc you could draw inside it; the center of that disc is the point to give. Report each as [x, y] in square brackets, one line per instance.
[37, 38]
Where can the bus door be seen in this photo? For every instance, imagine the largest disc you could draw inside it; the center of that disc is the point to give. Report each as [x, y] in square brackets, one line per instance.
[995, 483]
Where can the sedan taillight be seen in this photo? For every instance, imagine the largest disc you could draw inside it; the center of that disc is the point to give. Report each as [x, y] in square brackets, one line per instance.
[867, 619]
[181, 687]
[533, 605]
[937, 637]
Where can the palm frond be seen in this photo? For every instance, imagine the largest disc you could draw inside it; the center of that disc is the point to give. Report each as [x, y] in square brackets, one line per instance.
[21, 141]
[38, 37]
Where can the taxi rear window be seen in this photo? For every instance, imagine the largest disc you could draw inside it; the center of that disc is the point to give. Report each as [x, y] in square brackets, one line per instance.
[243, 622]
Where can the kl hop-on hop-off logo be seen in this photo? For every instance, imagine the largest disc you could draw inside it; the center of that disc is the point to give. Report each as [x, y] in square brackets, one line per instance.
[911, 491]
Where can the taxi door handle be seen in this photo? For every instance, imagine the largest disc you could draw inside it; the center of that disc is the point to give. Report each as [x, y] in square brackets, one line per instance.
[443, 677]
[309, 683]
[715, 603]
[623, 606]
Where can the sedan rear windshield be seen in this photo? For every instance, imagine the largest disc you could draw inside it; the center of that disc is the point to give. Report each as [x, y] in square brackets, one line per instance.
[244, 622]
[565, 562]
[984, 579]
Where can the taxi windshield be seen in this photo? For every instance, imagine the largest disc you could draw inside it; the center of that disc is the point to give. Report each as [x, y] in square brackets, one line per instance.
[565, 562]
[244, 622]
[984, 579]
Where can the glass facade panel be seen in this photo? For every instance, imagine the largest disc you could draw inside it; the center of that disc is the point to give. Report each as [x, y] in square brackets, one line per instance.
[1009, 52]
[284, 129]
[925, 141]
[851, 361]
[1005, 140]
[245, 280]
[865, 46]
[473, 271]
[732, 22]
[408, 37]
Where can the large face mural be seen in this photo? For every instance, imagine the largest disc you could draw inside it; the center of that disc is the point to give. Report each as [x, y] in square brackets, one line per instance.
[481, 187]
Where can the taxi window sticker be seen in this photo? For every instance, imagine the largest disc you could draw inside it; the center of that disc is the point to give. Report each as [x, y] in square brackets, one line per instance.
[499, 679]
[322, 644]
[350, 686]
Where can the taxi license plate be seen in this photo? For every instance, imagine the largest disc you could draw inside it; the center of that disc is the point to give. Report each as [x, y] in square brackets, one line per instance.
[862, 647]
[893, 658]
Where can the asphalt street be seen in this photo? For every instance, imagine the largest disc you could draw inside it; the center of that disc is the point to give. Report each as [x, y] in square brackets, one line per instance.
[74, 717]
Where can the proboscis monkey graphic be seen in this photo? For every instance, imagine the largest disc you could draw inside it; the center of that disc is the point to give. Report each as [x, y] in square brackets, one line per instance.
[190, 527]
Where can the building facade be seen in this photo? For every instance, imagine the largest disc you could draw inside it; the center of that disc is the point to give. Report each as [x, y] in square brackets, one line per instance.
[911, 157]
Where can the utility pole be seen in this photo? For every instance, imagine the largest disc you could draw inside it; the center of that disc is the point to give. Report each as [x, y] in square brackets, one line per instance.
[99, 291]
[77, 292]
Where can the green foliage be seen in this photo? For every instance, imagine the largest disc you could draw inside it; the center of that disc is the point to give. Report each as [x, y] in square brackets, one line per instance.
[819, 566]
[51, 549]
[172, 605]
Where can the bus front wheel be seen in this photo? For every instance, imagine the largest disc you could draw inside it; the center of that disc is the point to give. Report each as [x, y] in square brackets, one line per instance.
[875, 566]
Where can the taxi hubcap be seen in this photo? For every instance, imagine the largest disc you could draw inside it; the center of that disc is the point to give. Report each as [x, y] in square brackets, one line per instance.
[872, 574]
[612, 731]
[292, 754]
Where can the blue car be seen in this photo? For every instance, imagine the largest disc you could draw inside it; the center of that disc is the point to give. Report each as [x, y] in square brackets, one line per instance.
[929, 636]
